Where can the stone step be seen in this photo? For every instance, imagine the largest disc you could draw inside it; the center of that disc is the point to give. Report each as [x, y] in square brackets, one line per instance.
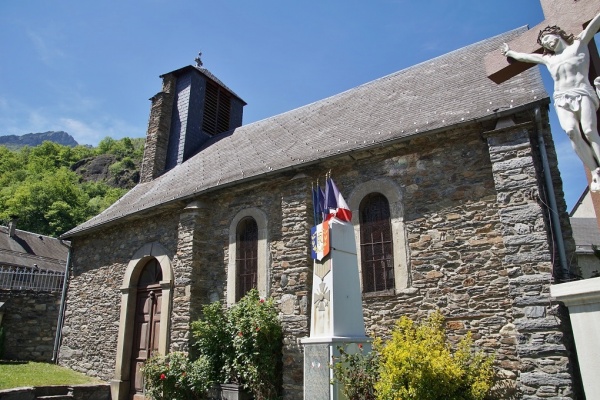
[56, 397]
[51, 391]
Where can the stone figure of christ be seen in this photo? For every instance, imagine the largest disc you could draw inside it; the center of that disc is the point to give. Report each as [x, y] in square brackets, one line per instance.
[568, 59]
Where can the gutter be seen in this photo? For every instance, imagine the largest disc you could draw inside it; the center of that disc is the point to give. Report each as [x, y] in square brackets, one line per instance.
[555, 220]
[61, 312]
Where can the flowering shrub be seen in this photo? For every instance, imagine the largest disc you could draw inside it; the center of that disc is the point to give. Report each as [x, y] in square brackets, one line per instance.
[418, 363]
[174, 377]
[356, 372]
[213, 342]
[243, 344]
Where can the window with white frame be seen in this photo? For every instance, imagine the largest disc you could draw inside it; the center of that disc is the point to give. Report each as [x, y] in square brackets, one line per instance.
[382, 251]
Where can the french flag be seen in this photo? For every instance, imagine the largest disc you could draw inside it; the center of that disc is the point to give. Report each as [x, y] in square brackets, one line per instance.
[335, 205]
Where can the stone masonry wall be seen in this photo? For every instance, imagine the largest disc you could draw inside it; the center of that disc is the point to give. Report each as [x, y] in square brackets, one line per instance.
[29, 324]
[541, 343]
[93, 306]
[157, 137]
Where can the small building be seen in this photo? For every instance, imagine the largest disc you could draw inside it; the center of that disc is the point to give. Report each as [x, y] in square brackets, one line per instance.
[587, 235]
[32, 271]
[448, 175]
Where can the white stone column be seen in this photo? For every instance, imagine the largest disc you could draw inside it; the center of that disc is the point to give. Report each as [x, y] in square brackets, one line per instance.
[583, 300]
[336, 312]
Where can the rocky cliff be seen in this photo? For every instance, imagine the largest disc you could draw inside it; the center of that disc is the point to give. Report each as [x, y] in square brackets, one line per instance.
[34, 139]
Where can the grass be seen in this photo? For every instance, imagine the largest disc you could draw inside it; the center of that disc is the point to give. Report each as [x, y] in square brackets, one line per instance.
[14, 374]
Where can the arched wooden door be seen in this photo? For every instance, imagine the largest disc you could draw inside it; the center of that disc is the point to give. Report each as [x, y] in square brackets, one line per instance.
[146, 325]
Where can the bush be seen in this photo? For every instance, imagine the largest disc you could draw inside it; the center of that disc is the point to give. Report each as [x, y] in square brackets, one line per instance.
[174, 377]
[243, 344]
[257, 343]
[213, 342]
[418, 363]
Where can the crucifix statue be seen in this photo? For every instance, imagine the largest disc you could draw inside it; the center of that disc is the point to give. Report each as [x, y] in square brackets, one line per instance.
[568, 59]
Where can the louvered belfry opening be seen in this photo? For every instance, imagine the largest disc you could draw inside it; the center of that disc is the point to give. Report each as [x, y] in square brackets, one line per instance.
[246, 257]
[376, 247]
[217, 109]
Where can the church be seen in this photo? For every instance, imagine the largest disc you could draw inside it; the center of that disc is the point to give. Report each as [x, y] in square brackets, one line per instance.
[456, 201]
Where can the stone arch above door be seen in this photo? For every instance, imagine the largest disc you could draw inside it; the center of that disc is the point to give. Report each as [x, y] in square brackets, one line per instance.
[121, 382]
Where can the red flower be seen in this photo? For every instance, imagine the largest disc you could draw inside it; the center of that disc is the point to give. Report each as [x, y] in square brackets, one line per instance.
[360, 345]
[262, 300]
[163, 377]
[257, 328]
[240, 334]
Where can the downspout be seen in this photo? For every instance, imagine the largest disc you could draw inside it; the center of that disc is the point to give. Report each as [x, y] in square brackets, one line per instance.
[555, 220]
[59, 323]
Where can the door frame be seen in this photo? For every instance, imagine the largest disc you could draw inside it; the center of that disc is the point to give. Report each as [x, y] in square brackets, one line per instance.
[121, 382]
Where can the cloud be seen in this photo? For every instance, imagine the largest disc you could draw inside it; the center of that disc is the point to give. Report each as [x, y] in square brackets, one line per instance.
[92, 132]
[44, 46]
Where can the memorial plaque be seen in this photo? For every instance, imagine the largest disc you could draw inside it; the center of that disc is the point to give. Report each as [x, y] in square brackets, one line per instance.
[316, 372]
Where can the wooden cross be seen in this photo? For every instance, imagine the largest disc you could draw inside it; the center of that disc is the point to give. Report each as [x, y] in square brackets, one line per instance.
[570, 15]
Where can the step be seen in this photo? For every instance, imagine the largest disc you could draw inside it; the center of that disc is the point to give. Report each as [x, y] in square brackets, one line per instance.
[56, 397]
[44, 391]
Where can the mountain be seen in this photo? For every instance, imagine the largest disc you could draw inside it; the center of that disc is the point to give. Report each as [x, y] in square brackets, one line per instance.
[34, 139]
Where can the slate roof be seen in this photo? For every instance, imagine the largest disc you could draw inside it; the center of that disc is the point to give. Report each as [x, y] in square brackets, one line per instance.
[27, 249]
[431, 96]
[206, 73]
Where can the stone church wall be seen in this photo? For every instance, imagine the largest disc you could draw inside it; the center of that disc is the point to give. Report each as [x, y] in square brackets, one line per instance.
[94, 299]
[476, 243]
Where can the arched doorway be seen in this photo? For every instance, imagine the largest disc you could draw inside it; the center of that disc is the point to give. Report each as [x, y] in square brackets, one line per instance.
[156, 258]
[146, 329]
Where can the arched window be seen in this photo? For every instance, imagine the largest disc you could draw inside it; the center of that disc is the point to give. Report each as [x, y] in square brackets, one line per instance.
[246, 258]
[248, 254]
[376, 244]
[151, 274]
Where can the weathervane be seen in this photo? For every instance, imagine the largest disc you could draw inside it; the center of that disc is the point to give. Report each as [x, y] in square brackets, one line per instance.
[199, 60]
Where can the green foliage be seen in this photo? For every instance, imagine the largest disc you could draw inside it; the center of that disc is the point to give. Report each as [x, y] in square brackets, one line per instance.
[243, 344]
[38, 185]
[121, 148]
[418, 363]
[257, 343]
[356, 370]
[175, 377]
[213, 341]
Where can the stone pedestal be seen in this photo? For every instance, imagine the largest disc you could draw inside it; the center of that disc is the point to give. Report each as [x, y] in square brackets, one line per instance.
[583, 300]
[336, 317]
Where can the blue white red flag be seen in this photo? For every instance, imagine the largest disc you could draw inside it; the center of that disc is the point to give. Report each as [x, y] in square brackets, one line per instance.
[335, 205]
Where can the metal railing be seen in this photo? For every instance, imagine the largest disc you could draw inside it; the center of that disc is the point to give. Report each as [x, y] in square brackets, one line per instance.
[21, 278]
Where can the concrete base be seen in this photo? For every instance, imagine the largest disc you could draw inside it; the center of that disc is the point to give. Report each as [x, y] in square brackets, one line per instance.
[319, 355]
[119, 390]
[583, 300]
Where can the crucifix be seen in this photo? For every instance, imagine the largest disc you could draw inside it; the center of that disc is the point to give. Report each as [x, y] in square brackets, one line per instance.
[573, 63]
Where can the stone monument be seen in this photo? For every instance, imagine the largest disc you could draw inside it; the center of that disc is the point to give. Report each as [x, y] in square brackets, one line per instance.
[336, 312]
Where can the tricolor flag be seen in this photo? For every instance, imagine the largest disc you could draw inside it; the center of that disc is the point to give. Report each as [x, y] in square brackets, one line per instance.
[335, 205]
